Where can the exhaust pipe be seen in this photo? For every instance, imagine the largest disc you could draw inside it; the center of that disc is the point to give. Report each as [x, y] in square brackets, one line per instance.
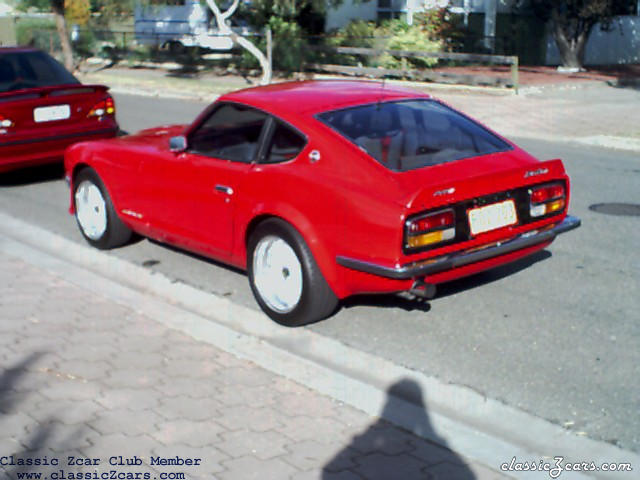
[422, 289]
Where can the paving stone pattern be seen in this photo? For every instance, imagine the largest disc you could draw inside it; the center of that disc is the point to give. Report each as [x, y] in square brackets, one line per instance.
[82, 376]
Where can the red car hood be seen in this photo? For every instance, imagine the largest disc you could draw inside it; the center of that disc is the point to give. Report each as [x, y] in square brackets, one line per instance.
[472, 177]
[157, 137]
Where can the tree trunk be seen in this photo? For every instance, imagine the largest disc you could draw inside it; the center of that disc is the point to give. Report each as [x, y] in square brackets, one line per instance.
[221, 18]
[61, 26]
[571, 44]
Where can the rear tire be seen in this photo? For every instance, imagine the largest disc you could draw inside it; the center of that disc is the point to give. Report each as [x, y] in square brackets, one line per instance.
[284, 276]
[96, 217]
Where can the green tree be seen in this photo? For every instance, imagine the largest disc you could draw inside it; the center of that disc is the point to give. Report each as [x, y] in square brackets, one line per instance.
[573, 20]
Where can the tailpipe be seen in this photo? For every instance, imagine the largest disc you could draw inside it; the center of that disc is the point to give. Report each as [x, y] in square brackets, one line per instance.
[423, 290]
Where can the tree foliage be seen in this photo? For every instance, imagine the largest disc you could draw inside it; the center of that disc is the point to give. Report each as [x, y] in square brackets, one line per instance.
[573, 20]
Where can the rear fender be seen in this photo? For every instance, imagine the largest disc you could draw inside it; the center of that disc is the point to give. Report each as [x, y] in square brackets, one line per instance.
[284, 211]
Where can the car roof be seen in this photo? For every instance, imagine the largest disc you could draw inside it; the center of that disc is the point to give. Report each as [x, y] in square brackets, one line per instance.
[315, 96]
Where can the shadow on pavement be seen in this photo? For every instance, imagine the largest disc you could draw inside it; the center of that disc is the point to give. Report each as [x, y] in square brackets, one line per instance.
[489, 276]
[384, 451]
[32, 175]
[445, 289]
[35, 443]
[387, 301]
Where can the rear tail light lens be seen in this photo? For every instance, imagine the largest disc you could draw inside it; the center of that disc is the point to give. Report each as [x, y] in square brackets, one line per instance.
[102, 108]
[546, 199]
[430, 229]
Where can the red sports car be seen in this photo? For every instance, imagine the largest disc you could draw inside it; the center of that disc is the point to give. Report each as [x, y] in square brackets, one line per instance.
[324, 189]
[44, 109]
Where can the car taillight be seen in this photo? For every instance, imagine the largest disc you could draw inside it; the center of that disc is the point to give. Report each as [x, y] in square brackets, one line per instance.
[5, 122]
[546, 199]
[104, 107]
[430, 229]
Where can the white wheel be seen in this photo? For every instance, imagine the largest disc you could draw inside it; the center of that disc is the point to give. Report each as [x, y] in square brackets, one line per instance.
[277, 274]
[96, 217]
[284, 276]
[91, 210]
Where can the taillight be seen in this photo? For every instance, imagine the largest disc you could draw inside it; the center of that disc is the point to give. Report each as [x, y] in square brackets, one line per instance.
[104, 107]
[5, 122]
[546, 199]
[430, 229]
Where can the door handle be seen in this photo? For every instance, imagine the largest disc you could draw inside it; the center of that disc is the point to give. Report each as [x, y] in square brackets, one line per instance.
[224, 189]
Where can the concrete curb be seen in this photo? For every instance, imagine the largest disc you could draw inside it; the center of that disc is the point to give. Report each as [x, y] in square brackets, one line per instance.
[607, 141]
[474, 426]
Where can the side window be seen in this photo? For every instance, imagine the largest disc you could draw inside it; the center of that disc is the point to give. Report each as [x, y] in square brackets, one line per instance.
[285, 145]
[231, 133]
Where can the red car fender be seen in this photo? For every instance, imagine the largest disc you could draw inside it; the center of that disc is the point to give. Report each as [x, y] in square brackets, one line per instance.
[305, 227]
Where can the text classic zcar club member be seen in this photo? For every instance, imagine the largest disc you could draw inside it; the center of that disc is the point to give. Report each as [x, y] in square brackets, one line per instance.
[324, 189]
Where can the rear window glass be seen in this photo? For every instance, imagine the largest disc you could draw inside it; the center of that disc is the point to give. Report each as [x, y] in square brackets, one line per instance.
[20, 70]
[413, 134]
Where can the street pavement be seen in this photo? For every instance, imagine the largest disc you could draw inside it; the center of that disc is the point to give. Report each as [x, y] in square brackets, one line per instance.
[87, 379]
[133, 387]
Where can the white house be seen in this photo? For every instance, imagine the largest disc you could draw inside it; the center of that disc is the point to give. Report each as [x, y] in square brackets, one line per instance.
[621, 44]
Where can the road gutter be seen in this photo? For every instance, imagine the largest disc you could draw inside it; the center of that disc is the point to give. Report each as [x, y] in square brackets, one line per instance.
[474, 426]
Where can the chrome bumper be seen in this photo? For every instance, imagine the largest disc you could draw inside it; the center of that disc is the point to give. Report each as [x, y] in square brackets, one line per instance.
[465, 257]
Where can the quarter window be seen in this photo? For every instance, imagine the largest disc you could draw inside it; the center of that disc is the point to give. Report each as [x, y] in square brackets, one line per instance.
[285, 145]
[231, 133]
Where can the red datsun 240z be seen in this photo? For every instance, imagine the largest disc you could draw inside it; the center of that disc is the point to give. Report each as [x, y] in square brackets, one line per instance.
[324, 189]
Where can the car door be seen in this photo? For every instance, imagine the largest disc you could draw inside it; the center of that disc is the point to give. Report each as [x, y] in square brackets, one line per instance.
[197, 189]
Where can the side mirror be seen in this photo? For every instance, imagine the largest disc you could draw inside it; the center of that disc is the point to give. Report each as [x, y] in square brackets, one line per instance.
[178, 144]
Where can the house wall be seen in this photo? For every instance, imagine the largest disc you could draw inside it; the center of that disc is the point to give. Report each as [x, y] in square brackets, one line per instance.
[619, 45]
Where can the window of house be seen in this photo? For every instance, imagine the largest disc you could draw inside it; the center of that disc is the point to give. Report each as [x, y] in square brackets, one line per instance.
[390, 9]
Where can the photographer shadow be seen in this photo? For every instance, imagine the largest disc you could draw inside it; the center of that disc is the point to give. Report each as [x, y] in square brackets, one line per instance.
[384, 451]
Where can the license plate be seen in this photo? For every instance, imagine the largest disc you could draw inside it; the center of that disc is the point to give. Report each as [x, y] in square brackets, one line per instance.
[491, 217]
[49, 114]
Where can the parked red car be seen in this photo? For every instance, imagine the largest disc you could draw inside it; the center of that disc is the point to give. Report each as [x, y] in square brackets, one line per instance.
[44, 109]
[324, 189]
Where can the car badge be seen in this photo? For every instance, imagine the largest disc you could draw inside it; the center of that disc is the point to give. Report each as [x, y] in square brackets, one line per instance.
[446, 191]
[533, 173]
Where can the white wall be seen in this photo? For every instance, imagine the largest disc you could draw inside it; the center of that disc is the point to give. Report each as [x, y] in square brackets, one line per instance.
[619, 45]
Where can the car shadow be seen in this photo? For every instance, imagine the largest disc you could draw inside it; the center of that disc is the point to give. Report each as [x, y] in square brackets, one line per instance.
[190, 254]
[385, 451]
[490, 276]
[32, 175]
[409, 303]
[401, 301]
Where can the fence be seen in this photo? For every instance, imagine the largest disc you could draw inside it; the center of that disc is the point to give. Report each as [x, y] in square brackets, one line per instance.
[422, 74]
[290, 54]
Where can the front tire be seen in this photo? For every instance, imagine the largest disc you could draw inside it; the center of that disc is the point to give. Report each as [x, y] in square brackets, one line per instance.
[284, 276]
[96, 217]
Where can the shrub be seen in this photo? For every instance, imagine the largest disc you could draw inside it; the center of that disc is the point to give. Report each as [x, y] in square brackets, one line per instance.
[38, 32]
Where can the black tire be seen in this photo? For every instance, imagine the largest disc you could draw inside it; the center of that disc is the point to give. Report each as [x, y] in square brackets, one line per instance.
[316, 301]
[116, 232]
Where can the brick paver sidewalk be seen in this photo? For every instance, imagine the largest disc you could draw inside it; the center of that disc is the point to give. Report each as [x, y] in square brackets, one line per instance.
[82, 377]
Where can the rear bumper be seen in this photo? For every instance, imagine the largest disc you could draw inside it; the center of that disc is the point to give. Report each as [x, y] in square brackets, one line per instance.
[462, 258]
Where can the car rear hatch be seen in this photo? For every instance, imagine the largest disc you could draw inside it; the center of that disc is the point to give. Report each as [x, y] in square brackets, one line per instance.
[479, 200]
[52, 112]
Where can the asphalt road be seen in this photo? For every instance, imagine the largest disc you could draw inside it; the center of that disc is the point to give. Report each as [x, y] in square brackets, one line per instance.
[557, 335]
